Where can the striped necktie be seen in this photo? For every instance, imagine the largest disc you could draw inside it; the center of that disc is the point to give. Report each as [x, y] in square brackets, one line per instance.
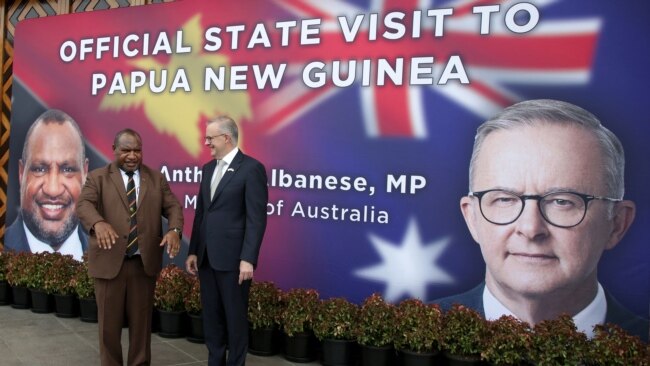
[132, 246]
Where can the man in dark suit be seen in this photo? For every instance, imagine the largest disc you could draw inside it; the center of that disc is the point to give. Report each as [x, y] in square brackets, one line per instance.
[51, 171]
[16, 239]
[226, 236]
[545, 201]
[121, 207]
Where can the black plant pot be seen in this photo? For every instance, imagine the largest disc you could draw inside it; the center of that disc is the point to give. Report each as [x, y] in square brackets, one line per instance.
[42, 302]
[263, 341]
[88, 310]
[462, 360]
[195, 330]
[339, 352]
[301, 347]
[377, 356]
[155, 321]
[409, 358]
[5, 293]
[171, 323]
[21, 297]
[66, 306]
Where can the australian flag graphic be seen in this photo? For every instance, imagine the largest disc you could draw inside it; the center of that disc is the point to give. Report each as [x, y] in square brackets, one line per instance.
[367, 151]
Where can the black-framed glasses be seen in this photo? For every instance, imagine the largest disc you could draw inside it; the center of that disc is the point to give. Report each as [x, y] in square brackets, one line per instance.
[562, 208]
[210, 138]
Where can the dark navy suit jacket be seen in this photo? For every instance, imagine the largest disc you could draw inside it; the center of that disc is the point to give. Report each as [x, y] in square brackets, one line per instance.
[230, 227]
[616, 313]
[16, 239]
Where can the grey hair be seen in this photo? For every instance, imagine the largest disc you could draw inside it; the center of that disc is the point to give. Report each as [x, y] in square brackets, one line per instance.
[228, 126]
[534, 112]
[57, 117]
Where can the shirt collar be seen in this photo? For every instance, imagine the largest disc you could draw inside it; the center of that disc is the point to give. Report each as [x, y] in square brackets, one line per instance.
[585, 320]
[71, 246]
[594, 313]
[228, 158]
[136, 173]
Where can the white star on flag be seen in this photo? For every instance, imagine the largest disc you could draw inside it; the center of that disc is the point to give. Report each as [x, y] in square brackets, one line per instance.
[407, 267]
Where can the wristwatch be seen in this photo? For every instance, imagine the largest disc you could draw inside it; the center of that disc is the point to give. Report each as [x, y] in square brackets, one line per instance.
[178, 231]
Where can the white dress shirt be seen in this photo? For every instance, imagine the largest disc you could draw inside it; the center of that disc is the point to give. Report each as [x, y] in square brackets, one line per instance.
[226, 163]
[136, 180]
[585, 320]
[71, 246]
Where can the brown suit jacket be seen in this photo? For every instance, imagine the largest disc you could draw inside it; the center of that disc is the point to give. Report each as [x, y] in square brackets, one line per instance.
[103, 198]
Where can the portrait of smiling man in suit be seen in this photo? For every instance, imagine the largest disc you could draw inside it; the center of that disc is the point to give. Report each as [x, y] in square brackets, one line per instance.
[546, 200]
[51, 172]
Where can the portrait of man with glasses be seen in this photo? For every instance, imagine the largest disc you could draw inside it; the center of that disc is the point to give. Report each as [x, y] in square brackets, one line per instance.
[545, 200]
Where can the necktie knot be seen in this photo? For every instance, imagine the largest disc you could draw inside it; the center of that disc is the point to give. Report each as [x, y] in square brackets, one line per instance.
[130, 173]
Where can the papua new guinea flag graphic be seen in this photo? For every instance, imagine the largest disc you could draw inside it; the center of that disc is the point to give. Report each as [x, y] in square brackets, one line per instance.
[363, 112]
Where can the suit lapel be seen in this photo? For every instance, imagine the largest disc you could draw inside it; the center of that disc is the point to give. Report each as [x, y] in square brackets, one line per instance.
[22, 245]
[228, 174]
[118, 182]
[205, 183]
[145, 179]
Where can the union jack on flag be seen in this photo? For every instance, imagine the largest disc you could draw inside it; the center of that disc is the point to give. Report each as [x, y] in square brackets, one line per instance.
[587, 52]
[557, 52]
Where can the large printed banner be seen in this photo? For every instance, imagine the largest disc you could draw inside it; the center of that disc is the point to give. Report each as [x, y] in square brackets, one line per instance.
[363, 113]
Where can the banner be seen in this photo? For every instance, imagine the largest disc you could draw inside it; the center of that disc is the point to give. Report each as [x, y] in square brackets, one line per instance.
[363, 112]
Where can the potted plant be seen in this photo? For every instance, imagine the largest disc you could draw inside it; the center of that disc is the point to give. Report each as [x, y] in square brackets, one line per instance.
[172, 287]
[558, 342]
[418, 332]
[612, 346]
[39, 265]
[5, 288]
[508, 341]
[193, 308]
[463, 334]
[376, 331]
[299, 307]
[334, 325]
[18, 277]
[58, 281]
[84, 287]
[264, 307]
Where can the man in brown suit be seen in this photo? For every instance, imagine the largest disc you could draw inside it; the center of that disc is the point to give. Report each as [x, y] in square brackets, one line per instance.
[125, 251]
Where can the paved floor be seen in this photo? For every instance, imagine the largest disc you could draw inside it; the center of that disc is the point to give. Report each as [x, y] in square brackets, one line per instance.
[27, 338]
